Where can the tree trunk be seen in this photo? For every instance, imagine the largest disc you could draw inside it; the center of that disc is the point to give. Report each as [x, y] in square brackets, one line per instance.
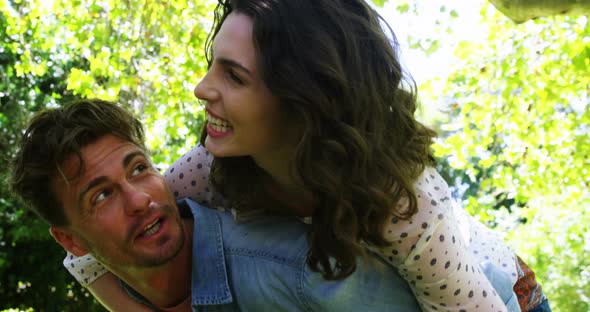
[523, 10]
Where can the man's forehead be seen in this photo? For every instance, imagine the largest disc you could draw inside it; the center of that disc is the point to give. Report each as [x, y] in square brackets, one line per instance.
[100, 160]
[100, 155]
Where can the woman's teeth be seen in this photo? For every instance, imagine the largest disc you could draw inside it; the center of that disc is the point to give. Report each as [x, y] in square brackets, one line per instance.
[218, 124]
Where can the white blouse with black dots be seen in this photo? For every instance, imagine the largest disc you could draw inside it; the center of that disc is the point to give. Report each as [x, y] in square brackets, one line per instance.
[438, 251]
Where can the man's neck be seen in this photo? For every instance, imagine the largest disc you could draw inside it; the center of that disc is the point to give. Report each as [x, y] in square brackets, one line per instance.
[170, 284]
[184, 306]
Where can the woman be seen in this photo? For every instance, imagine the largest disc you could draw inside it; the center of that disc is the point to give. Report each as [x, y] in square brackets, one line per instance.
[309, 114]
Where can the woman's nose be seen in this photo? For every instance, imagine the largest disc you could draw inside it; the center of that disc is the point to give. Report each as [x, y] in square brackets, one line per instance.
[205, 90]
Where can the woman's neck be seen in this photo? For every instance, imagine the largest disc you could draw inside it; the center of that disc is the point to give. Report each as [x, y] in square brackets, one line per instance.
[288, 195]
[294, 201]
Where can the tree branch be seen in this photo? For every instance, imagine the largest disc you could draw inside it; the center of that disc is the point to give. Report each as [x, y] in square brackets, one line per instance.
[523, 10]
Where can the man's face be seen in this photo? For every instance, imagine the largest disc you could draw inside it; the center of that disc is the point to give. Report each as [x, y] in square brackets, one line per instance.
[120, 209]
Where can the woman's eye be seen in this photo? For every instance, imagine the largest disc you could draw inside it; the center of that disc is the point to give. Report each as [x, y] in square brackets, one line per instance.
[235, 77]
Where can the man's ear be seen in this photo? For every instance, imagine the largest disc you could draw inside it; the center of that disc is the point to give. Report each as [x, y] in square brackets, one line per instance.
[69, 241]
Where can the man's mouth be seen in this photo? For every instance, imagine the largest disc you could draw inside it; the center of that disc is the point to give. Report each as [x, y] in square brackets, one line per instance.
[151, 228]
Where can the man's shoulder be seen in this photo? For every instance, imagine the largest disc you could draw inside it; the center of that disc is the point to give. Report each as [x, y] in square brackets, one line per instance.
[274, 238]
[262, 236]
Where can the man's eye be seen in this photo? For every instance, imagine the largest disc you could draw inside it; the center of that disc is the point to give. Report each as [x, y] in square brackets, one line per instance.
[101, 196]
[139, 169]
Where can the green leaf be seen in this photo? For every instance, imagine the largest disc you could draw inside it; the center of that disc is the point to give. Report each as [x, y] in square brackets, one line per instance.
[403, 8]
[379, 3]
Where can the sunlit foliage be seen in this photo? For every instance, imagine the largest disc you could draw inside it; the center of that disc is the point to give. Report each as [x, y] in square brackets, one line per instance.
[515, 129]
[145, 54]
[518, 129]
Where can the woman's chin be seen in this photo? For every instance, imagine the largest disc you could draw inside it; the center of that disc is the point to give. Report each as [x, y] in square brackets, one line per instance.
[217, 149]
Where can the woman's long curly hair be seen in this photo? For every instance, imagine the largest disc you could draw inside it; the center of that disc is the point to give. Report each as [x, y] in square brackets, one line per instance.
[335, 70]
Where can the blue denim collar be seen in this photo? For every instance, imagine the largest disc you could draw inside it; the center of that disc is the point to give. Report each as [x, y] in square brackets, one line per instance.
[210, 285]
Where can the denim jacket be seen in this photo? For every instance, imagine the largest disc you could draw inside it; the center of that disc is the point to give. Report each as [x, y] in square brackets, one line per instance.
[260, 265]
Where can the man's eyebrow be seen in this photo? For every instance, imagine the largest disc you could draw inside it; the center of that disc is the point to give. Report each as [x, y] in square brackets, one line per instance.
[232, 63]
[91, 185]
[132, 156]
[98, 180]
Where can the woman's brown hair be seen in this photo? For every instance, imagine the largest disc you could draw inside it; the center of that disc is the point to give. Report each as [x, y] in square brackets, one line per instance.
[336, 71]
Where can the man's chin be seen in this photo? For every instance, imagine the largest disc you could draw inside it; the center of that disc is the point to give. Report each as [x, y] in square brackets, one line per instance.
[165, 256]
[169, 246]
[145, 257]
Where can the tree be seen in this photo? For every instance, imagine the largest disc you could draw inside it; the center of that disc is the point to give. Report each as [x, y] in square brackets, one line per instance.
[147, 55]
[515, 132]
[523, 10]
[518, 128]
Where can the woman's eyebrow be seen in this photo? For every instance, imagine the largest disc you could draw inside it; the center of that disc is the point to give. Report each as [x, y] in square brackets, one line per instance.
[234, 64]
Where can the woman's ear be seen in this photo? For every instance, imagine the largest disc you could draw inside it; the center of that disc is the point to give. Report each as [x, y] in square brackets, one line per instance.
[69, 241]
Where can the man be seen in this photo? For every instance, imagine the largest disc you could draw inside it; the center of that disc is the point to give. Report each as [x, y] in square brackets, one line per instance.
[85, 170]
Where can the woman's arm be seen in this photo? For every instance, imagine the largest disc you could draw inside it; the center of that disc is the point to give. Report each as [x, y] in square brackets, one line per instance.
[432, 255]
[107, 290]
[103, 284]
[188, 176]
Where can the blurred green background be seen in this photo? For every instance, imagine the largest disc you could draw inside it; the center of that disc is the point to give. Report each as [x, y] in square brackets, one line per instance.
[510, 102]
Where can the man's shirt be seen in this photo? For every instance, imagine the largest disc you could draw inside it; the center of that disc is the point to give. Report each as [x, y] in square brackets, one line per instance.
[260, 265]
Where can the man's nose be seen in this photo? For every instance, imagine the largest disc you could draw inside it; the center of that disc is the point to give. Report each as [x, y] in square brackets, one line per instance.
[137, 200]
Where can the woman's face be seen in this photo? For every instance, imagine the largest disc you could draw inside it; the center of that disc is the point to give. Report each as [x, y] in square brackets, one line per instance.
[243, 117]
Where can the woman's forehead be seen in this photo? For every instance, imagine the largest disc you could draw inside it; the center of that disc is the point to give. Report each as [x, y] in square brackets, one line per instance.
[234, 41]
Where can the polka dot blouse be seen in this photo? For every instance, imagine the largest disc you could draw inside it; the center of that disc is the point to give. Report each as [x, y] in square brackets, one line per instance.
[438, 251]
